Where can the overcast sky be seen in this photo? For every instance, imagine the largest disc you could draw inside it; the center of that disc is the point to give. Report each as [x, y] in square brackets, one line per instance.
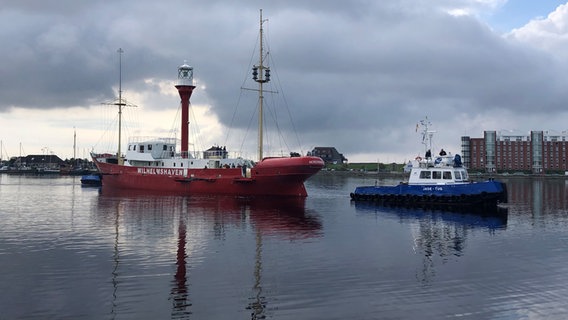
[355, 75]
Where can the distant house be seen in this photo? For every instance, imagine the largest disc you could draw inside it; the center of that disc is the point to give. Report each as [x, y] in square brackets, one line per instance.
[328, 155]
[215, 152]
[39, 161]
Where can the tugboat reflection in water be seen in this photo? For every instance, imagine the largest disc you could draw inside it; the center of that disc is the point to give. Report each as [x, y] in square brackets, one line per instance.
[438, 234]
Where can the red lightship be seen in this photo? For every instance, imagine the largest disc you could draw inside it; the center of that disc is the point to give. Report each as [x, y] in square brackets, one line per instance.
[155, 164]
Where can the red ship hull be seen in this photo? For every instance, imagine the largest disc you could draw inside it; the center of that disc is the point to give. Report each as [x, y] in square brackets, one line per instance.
[270, 177]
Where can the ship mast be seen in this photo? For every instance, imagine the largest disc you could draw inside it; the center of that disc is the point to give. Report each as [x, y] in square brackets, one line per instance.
[120, 104]
[260, 74]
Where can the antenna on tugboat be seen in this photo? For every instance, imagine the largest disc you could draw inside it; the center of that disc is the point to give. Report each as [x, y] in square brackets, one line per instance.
[426, 134]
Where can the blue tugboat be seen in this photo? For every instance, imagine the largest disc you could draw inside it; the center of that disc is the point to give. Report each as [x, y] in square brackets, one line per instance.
[439, 181]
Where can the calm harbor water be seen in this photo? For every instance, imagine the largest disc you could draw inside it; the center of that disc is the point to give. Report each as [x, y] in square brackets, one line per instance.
[69, 252]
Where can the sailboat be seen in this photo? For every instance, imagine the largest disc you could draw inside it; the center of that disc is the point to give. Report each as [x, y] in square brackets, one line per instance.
[156, 164]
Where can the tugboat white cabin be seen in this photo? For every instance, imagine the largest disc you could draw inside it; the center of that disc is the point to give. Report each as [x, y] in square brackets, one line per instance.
[441, 170]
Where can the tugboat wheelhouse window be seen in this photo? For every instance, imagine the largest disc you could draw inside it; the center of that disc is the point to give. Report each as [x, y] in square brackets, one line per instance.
[457, 174]
[425, 175]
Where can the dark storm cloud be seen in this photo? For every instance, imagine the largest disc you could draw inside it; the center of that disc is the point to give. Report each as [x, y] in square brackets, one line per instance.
[367, 69]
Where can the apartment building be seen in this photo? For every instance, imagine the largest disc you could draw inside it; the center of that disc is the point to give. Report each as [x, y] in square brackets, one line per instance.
[510, 151]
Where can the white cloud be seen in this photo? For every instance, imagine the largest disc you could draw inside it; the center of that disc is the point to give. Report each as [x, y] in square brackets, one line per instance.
[550, 33]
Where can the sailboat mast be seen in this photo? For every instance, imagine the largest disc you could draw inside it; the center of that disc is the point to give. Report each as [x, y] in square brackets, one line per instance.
[74, 144]
[260, 74]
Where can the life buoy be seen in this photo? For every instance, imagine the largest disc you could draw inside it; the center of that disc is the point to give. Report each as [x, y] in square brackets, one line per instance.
[418, 158]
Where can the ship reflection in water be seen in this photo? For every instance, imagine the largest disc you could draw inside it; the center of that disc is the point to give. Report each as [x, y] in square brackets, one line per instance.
[281, 217]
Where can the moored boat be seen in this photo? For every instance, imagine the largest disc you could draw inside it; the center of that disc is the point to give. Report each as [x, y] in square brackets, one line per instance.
[91, 180]
[156, 163]
[440, 181]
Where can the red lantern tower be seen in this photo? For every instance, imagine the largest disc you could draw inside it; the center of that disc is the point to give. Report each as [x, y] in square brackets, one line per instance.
[185, 89]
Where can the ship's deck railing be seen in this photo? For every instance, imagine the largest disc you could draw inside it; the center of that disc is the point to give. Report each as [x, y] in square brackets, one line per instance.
[438, 162]
[140, 139]
[199, 155]
[168, 154]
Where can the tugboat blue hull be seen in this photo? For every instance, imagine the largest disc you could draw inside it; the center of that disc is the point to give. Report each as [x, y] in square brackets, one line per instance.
[486, 193]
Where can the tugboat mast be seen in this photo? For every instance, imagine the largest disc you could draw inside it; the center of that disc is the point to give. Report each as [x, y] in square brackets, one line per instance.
[426, 134]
